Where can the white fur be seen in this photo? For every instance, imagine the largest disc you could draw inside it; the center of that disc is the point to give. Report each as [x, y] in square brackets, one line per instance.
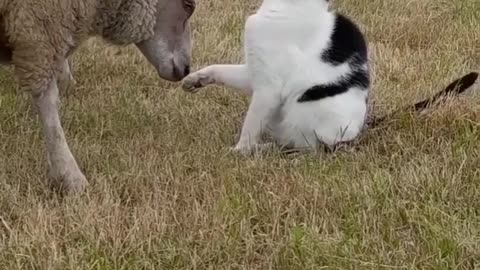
[283, 42]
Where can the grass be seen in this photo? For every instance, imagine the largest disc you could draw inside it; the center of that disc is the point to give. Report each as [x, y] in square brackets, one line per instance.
[166, 194]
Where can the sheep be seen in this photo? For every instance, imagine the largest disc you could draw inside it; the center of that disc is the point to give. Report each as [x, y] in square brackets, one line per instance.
[37, 37]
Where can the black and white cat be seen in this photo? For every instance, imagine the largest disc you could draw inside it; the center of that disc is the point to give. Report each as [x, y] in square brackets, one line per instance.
[307, 72]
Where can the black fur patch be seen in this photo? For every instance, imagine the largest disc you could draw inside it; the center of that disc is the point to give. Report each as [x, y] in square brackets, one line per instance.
[455, 88]
[358, 78]
[347, 44]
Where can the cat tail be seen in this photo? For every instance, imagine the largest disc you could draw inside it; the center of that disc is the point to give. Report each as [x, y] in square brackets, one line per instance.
[455, 88]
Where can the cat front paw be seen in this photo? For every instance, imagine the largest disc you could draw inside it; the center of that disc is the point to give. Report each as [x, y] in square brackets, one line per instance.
[241, 149]
[193, 82]
[249, 149]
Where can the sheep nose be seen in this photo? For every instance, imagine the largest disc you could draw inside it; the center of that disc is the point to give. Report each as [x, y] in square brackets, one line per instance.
[180, 72]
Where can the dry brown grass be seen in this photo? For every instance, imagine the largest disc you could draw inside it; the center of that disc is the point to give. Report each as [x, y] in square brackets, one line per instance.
[165, 194]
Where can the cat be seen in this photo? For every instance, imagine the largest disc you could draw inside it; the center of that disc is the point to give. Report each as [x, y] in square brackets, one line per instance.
[307, 72]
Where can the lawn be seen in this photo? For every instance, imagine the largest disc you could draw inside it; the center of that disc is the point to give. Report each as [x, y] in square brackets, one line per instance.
[165, 193]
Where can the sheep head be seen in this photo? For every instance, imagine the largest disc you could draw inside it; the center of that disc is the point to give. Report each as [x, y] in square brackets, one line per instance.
[169, 48]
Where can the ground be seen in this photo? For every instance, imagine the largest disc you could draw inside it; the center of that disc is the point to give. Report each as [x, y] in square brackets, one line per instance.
[165, 193]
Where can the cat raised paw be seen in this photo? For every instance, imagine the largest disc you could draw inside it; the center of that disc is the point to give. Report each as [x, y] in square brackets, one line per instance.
[193, 82]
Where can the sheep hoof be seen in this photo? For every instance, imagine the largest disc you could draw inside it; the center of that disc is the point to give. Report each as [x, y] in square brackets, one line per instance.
[70, 182]
[193, 82]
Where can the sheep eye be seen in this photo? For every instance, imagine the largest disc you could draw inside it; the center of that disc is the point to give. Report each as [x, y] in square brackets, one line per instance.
[189, 6]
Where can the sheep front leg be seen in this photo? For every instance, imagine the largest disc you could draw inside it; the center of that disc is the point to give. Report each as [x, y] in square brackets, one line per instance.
[64, 171]
[66, 81]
